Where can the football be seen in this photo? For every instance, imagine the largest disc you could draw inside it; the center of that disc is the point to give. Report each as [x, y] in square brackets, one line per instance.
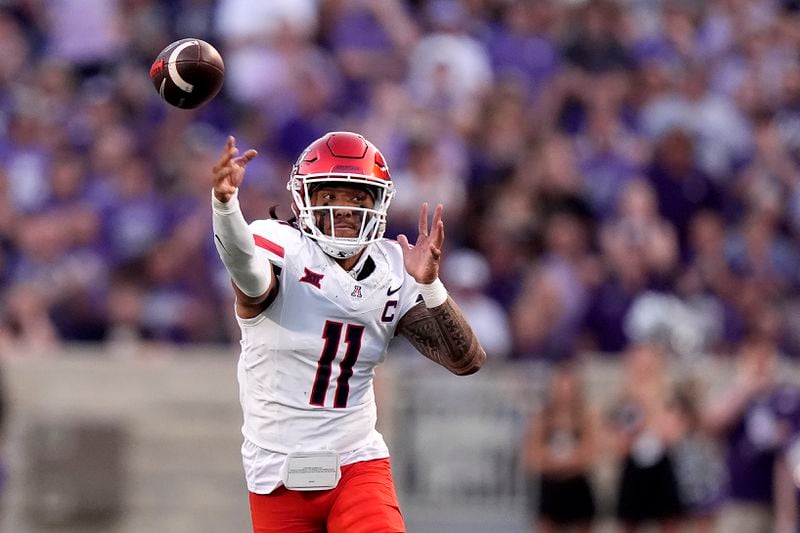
[188, 73]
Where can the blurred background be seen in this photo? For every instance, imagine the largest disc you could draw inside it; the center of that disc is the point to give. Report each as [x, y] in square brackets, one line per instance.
[621, 181]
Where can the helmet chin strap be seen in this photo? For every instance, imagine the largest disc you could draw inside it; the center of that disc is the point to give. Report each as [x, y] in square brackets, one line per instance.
[333, 249]
[339, 252]
[337, 248]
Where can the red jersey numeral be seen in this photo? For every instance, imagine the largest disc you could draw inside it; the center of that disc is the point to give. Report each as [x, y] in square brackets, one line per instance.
[332, 333]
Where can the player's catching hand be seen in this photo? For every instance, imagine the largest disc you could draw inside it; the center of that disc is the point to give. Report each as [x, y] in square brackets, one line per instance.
[422, 259]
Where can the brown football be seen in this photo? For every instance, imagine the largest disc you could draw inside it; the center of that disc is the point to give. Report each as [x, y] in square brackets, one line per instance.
[188, 73]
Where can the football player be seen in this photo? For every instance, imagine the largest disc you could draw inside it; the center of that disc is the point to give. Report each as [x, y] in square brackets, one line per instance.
[318, 299]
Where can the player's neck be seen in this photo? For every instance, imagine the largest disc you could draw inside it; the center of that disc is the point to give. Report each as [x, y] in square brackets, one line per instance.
[348, 263]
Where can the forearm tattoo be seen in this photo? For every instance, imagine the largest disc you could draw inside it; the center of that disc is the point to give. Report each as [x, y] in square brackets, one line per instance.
[443, 335]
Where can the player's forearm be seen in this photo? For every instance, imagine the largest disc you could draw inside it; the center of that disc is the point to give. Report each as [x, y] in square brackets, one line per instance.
[443, 335]
[236, 248]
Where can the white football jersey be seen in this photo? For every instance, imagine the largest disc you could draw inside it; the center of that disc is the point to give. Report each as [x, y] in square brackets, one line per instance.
[307, 362]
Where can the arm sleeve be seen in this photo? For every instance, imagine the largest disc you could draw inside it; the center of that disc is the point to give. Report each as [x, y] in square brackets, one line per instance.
[236, 248]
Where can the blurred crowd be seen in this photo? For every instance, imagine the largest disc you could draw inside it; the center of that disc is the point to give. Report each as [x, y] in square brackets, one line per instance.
[682, 451]
[619, 176]
[611, 170]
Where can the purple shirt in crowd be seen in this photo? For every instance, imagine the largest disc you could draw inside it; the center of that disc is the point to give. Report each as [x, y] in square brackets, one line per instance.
[752, 443]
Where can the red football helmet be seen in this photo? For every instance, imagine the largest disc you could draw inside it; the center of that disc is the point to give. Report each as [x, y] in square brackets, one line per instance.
[343, 158]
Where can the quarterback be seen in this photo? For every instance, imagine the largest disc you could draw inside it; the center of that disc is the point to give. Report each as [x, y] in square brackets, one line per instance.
[318, 298]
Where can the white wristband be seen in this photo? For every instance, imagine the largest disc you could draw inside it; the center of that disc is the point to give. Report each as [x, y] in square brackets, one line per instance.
[225, 208]
[433, 294]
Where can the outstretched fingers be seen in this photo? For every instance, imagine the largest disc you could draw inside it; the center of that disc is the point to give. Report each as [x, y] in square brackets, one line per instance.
[228, 153]
[423, 220]
[437, 229]
[245, 158]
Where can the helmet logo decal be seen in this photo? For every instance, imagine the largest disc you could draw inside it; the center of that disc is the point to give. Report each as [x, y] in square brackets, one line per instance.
[312, 277]
[303, 155]
[344, 169]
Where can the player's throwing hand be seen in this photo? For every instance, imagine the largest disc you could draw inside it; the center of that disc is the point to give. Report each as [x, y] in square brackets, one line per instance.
[229, 170]
[422, 259]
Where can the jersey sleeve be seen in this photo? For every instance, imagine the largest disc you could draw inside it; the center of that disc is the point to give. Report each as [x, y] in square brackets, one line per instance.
[409, 294]
[274, 240]
[403, 285]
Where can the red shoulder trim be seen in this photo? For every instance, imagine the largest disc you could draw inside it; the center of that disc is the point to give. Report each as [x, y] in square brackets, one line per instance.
[268, 245]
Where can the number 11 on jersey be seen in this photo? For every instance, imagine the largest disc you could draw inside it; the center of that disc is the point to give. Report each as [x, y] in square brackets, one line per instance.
[332, 333]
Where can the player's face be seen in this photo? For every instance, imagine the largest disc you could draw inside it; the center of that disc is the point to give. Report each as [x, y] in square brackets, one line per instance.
[347, 222]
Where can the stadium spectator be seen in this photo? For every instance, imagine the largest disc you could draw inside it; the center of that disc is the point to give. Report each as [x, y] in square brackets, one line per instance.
[707, 280]
[559, 451]
[769, 179]
[639, 234]
[449, 71]
[16, 47]
[263, 44]
[550, 310]
[504, 137]
[593, 44]
[645, 428]
[639, 253]
[760, 254]
[787, 482]
[27, 328]
[721, 132]
[87, 34]
[425, 176]
[609, 156]
[699, 467]
[754, 419]
[533, 29]
[370, 41]
[681, 186]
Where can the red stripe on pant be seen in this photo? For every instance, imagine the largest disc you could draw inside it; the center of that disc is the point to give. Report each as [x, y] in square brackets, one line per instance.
[364, 501]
